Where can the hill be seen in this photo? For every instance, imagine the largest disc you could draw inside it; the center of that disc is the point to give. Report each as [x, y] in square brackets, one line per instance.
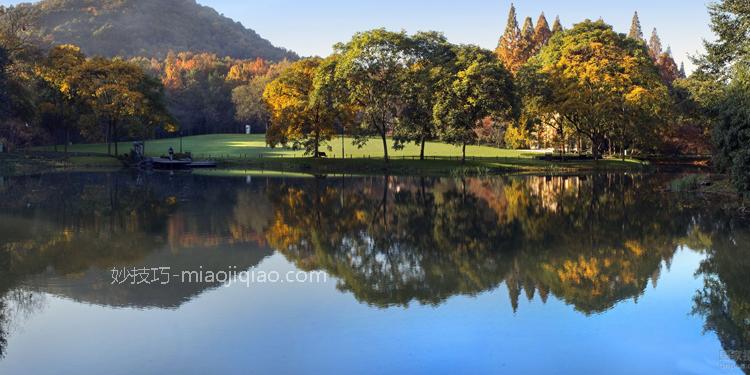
[150, 28]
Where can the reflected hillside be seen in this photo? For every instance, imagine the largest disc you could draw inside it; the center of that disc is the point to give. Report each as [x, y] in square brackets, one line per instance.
[66, 240]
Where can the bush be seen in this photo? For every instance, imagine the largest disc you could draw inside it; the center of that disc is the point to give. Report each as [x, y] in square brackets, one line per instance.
[691, 182]
[732, 132]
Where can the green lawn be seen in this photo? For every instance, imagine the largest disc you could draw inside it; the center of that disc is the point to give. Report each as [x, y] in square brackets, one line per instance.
[224, 146]
[242, 153]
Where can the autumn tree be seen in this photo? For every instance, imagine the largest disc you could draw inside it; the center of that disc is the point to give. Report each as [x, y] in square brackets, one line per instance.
[509, 47]
[668, 69]
[654, 45]
[600, 82]
[300, 114]
[528, 46]
[480, 87]
[244, 71]
[249, 106]
[118, 93]
[56, 70]
[542, 33]
[557, 27]
[636, 32]
[374, 66]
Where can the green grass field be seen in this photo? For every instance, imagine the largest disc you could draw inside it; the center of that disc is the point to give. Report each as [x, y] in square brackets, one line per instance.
[242, 153]
[225, 146]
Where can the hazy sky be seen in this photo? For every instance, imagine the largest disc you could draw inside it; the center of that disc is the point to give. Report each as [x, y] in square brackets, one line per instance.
[311, 27]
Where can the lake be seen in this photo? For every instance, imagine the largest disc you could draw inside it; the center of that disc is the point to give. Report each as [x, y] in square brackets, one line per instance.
[188, 273]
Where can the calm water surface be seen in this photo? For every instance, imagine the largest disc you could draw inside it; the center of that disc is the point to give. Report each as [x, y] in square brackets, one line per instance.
[529, 274]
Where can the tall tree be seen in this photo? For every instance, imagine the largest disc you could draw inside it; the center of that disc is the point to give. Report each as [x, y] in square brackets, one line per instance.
[528, 47]
[542, 33]
[636, 32]
[509, 47]
[654, 45]
[727, 60]
[730, 21]
[4, 94]
[600, 82]
[56, 71]
[119, 93]
[480, 87]
[297, 115]
[433, 57]
[668, 68]
[373, 65]
[249, 106]
[18, 29]
[557, 27]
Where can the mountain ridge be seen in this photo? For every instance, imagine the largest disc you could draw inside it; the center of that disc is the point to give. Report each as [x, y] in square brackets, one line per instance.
[150, 28]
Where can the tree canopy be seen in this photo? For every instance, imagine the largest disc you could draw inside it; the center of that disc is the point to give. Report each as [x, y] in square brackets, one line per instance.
[602, 83]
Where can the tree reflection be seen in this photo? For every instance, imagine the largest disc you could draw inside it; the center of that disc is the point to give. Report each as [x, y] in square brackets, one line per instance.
[592, 241]
[724, 301]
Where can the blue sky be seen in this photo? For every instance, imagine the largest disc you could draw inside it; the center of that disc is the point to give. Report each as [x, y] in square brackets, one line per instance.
[311, 27]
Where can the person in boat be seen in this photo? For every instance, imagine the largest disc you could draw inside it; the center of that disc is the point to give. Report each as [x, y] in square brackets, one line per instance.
[171, 153]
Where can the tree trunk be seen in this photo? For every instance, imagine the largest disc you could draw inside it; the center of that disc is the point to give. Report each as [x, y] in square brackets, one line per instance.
[595, 143]
[421, 151]
[463, 152]
[114, 136]
[385, 146]
[317, 146]
[109, 138]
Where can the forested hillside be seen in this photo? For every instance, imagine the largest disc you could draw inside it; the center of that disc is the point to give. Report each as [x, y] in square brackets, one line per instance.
[150, 28]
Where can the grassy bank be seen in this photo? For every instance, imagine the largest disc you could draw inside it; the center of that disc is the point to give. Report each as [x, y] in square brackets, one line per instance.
[249, 152]
[37, 162]
[241, 146]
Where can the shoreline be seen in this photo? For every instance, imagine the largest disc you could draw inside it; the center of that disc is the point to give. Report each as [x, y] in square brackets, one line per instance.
[22, 163]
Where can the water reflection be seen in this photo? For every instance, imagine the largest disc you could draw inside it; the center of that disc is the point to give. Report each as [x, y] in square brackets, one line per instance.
[590, 241]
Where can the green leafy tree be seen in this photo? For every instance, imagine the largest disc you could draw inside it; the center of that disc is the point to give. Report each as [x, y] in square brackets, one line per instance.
[480, 87]
[433, 56]
[727, 61]
[374, 66]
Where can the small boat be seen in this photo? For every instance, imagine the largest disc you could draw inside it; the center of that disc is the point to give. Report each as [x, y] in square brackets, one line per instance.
[203, 164]
[164, 163]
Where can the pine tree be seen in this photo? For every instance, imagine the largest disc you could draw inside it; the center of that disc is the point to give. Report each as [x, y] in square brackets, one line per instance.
[509, 45]
[527, 48]
[635, 28]
[557, 26]
[542, 33]
[654, 45]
